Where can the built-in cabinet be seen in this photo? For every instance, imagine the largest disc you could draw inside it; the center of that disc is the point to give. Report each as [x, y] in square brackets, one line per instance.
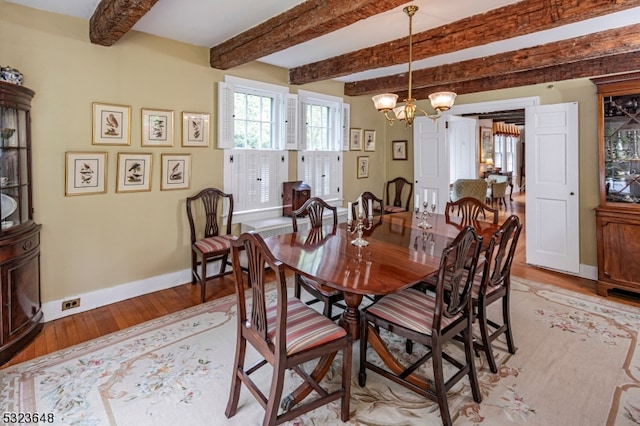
[618, 215]
[20, 307]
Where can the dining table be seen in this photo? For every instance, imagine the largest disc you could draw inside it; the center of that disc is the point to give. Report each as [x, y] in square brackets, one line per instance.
[398, 254]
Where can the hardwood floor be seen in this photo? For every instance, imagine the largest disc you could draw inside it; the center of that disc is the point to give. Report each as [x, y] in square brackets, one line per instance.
[78, 328]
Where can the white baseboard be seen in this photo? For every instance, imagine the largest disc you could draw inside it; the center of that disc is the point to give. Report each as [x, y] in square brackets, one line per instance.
[53, 310]
[95, 299]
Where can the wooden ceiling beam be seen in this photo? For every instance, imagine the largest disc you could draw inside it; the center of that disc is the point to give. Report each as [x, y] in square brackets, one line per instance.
[308, 20]
[592, 46]
[112, 19]
[518, 19]
[588, 68]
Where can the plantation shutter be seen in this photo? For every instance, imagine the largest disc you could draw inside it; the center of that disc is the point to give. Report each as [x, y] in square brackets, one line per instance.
[225, 115]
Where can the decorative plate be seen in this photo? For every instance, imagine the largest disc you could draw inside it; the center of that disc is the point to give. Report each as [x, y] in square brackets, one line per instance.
[7, 206]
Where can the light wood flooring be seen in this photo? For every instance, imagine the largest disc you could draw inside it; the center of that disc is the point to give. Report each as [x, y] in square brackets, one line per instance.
[78, 328]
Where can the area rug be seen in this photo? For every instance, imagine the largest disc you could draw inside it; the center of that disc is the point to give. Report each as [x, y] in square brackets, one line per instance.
[576, 364]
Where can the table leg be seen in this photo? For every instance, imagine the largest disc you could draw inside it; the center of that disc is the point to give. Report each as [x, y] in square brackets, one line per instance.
[350, 319]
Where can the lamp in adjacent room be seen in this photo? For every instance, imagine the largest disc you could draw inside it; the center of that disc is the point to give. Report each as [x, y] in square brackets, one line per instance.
[386, 102]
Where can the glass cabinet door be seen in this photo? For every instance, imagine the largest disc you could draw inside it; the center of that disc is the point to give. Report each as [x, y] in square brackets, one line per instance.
[14, 168]
[622, 148]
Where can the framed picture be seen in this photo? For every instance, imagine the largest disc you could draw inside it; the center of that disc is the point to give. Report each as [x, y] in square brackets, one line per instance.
[134, 172]
[369, 140]
[355, 140]
[486, 144]
[176, 171]
[157, 127]
[195, 129]
[86, 173]
[111, 124]
[399, 149]
[363, 167]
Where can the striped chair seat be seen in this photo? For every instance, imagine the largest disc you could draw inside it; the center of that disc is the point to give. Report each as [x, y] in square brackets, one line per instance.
[306, 328]
[410, 308]
[214, 244]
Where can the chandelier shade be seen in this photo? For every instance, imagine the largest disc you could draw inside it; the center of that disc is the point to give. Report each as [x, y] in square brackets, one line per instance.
[387, 102]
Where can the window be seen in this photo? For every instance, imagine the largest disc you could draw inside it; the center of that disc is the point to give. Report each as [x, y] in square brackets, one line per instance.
[257, 122]
[504, 148]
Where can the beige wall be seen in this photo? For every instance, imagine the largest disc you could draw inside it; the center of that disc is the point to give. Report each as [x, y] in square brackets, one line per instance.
[95, 242]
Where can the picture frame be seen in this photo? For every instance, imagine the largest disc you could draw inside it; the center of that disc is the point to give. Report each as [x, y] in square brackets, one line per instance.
[85, 173]
[369, 140]
[134, 172]
[195, 129]
[363, 167]
[157, 127]
[111, 124]
[355, 140]
[399, 150]
[176, 172]
[486, 144]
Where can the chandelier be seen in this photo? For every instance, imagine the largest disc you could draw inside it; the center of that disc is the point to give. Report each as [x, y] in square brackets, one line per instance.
[386, 102]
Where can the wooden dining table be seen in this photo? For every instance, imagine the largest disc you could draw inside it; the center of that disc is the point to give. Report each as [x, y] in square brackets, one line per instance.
[399, 255]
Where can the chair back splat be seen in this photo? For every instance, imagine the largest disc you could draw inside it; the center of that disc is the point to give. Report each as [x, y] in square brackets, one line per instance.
[208, 243]
[286, 334]
[368, 198]
[432, 320]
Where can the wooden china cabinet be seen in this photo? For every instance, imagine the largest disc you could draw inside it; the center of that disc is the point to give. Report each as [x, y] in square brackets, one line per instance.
[618, 215]
[20, 307]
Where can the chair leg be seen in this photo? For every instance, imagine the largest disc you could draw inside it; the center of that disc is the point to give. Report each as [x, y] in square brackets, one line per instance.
[467, 335]
[203, 279]
[441, 390]
[275, 394]
[506, 318]
[346, 381]
[326, 311]
[236, 383]
[364, 327]
[194, 267]
[296, 287]
[484, 335]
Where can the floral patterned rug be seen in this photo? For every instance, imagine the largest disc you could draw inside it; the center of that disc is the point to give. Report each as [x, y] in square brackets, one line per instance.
[576, 364]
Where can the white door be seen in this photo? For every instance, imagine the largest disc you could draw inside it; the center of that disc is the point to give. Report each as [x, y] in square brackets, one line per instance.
[552, 219]
[463, 143]
[431, 161]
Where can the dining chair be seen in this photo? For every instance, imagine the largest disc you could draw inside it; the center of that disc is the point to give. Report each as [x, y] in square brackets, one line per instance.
[470, 209]
[314, 209]
[286, 334]
[394, 189]
[208, 241]
[493, 285]
[432, 320]
[368, 198]
[497, 192]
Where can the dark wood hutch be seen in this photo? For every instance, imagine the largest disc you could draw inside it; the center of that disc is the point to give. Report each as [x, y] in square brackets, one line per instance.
[618, 215]
[20, 307]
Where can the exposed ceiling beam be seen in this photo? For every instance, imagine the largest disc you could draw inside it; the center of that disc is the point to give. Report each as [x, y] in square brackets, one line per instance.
[112, 19]
[592, 46]
[302, 23]
[588, 68]
[524, 17]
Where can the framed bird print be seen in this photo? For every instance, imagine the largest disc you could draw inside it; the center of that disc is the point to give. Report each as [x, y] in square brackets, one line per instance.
[176, 172]
[195, 129]
[134, 172]
[85, 173]
[111, 124]
[157, 127]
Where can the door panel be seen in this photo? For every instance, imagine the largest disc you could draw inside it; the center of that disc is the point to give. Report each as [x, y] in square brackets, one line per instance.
[552, 199]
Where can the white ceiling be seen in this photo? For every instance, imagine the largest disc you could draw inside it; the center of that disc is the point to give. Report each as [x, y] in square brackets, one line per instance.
[208, 23]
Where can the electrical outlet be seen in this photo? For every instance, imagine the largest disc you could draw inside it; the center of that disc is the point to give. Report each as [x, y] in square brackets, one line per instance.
[71, 304]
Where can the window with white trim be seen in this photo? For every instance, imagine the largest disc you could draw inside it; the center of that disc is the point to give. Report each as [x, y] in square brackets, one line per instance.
[324, 129]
